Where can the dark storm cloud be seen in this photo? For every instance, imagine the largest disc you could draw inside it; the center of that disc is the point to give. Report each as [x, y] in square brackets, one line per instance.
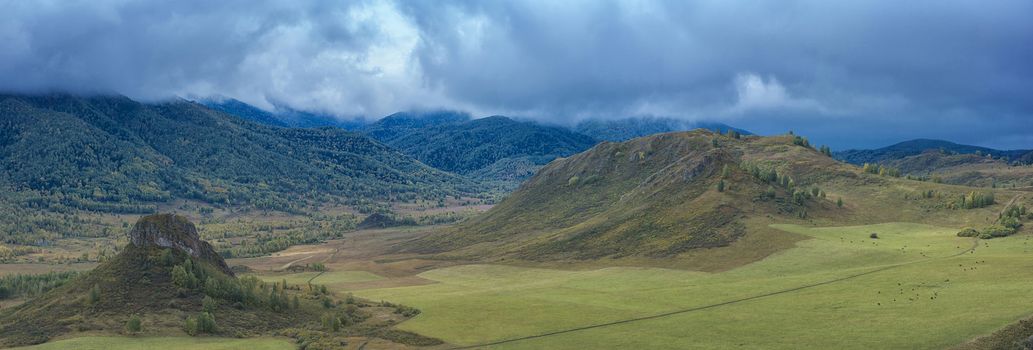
[848, 73]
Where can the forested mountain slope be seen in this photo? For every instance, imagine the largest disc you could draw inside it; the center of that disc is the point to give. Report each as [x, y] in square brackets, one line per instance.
[62, 153]
[492, 148]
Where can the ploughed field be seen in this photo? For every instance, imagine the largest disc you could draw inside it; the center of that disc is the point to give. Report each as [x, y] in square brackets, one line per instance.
[915, 286]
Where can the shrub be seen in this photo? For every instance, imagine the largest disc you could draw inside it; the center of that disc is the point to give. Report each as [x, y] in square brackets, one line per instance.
[94, 297]
[134, 325]
[874, 235]
[968, 232]
[208, 304]
[997, 231]
[330, 322]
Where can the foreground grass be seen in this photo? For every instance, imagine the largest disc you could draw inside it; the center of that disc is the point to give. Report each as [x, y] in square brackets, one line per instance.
[169, 343]
[927, 298]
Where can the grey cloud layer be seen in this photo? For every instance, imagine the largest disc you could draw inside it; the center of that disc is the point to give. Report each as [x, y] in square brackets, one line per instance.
[953, 69]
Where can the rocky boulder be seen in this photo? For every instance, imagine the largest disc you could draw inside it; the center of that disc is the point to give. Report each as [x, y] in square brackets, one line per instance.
[175, 232]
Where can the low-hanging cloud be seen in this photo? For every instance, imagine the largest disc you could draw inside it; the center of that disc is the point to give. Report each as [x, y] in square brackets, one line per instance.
[951, 69]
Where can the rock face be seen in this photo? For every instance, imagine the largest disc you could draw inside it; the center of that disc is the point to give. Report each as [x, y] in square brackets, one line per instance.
[176, 232]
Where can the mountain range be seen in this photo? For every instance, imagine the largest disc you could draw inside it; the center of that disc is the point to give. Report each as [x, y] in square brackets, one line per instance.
[950, 162]
[60, 153]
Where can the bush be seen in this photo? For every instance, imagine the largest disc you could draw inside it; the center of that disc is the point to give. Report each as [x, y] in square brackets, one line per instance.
[968, 232]
[208, 304]
[134, 325]
[874, 235]
[997, 231]
[203, 323]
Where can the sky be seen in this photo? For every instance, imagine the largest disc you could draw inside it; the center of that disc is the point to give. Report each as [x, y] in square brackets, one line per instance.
[850, 74]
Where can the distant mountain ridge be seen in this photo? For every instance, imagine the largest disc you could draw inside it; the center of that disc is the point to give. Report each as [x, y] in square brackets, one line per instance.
[492, 148]
[496, 148]
[629, 128]
[113, 154]
[282, 117]
[918, 146]
[950, 162]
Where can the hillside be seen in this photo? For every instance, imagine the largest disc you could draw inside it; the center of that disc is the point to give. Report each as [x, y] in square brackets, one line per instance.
[171, 281]
[669, 194]
[390, 128]
[492, 148]
[629, 128]
[64, 158]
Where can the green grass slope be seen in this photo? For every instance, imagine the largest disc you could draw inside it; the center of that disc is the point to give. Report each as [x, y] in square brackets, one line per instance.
[658, 197]
[915, 287]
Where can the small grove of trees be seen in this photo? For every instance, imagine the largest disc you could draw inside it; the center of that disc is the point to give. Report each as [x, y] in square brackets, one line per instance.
[774, 178]
[30, 286]
[825, 150]
[203, 323]
[801, 141]
[880, 170]
[976, 200]
[1007, 224]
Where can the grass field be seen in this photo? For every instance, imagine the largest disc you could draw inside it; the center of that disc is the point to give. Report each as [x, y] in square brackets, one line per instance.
[168, 343]
[916, 286]
[329, 278]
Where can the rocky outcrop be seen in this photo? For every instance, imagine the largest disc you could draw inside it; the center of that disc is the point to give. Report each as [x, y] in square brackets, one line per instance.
[175, 232]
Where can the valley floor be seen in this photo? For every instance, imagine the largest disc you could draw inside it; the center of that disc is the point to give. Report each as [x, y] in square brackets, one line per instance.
[916, 286]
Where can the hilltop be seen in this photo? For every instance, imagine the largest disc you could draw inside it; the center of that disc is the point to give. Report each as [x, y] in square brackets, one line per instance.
[661, 196]
[169, 280]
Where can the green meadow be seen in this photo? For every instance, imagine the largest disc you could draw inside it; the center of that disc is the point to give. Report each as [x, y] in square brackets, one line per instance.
[915, 286]
[328, 278]
[170, 343]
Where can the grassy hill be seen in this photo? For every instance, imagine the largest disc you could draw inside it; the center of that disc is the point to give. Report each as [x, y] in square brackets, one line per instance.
[669, 194]
[493, 148]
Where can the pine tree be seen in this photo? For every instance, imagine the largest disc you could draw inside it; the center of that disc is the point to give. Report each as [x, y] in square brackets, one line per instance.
[839, 202]
[94, 297]
[721, 185]
[208, 304]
